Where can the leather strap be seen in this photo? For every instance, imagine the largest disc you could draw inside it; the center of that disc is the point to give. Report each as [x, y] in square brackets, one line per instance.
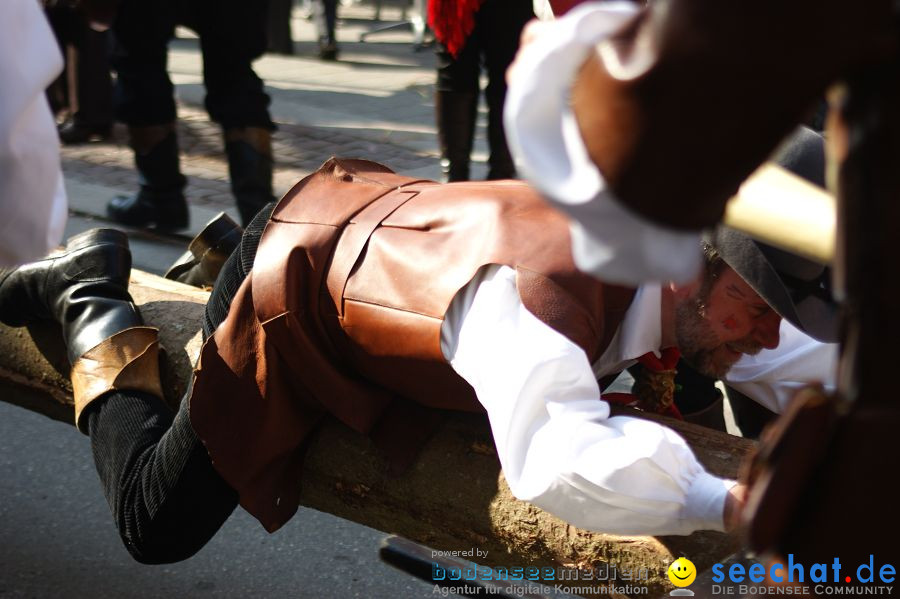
[354, 239]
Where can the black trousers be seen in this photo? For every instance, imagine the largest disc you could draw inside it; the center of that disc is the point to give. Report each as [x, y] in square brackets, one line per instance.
[166, 498]
[232, 34]
[493, 43]
[91, 99]
[326, 22]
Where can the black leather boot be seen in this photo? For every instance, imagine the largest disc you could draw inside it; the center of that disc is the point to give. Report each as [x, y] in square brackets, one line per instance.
[249, 151]
[200, 265]
[160, 201]
[85, 289]
[73, 132]
[455, 112]
[500, 161]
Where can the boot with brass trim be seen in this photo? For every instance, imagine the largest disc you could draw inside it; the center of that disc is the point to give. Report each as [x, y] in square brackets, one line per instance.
[249, 152]
[85, 289]
[200, 264]
[160, 201]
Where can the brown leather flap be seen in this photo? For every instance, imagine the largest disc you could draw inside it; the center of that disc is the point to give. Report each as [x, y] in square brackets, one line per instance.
[553, 305]
[354, 239]
[325, 201]
[337, 191]
[354, 405]
[564, 308]
[281, 259]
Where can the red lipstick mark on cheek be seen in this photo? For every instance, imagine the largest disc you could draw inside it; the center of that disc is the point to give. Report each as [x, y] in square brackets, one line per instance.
[730, 323]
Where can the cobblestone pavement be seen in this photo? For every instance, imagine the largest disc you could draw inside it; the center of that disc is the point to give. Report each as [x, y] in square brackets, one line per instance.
[375, 102]
[298, 149]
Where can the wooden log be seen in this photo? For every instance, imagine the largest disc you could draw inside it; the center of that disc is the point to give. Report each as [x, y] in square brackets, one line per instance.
[453, 498]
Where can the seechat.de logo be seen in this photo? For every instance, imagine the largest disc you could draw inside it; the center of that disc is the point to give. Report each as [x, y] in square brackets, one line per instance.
[794, 578]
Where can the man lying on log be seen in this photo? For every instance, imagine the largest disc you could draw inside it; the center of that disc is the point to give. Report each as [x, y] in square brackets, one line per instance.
[380, 300]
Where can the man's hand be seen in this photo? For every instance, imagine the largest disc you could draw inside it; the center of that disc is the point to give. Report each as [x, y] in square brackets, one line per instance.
[734, 506]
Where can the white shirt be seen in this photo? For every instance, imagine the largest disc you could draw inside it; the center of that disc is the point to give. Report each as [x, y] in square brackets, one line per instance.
[641, 332]
[608, 240]
[557, 444]
[773, 376]
[32, 196]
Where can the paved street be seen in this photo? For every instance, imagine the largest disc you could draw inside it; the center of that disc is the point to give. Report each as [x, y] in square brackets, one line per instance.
[57, 538]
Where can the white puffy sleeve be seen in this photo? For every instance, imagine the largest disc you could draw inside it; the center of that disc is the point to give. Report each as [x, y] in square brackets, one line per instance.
[608, 240]
[557, 444]
[773, 376]
[32, 196]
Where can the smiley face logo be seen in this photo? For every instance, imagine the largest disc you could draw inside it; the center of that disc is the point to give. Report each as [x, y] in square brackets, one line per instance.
[682, 572]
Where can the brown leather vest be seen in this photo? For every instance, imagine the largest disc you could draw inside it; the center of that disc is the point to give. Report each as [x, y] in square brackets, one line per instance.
[341, 316]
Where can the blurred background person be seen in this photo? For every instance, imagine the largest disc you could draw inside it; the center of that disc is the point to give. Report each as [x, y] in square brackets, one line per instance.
[84, 89]
[326, 24]
[232, 34]
[471, 33]
[32, 196]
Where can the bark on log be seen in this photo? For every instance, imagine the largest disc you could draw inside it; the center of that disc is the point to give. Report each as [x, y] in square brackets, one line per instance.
[453, 498]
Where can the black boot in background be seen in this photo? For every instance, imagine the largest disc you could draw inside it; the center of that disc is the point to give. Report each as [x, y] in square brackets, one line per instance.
[456, 113]
[200, 264]
[249, 151]
[160, 201]
[500, 161]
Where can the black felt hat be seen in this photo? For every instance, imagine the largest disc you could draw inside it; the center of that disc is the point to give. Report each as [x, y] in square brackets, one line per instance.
[797, 288]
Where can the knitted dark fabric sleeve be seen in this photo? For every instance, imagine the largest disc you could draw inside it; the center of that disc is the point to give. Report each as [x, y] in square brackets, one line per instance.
[234, 271]
[165, 495]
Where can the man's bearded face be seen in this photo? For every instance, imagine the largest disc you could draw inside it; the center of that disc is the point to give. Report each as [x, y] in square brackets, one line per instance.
[722, 321]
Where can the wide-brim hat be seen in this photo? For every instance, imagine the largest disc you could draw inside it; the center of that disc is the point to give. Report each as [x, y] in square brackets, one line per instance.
[796, 288]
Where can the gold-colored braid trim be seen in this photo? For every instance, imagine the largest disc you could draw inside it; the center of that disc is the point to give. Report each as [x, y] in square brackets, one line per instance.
[655, 390]
[127, 360]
